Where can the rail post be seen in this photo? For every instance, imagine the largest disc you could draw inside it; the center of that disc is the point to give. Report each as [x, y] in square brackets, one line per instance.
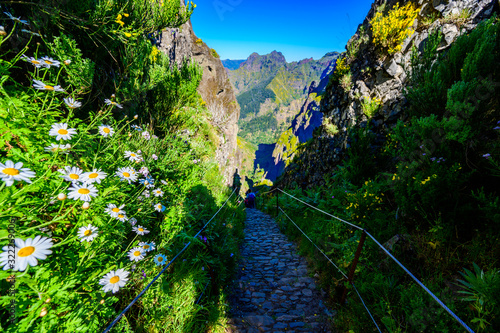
[350, 277]
[277, 203]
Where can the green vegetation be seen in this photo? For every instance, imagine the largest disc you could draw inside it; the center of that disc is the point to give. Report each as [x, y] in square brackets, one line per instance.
[390, 30]
[432, 189]
[261, 129]
[214, 53]
[287, 145]
[105, 121]
[251, 100]
[330, 128]
[370, 106]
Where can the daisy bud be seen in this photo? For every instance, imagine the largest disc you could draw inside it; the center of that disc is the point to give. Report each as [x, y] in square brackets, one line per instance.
[130, 134]
[43, 312]
[125, 116]
[136, 116]
[102, 301]
[2, 31]
[85, 205]
[113, 96]
[61, 196]
[139, 209]
[48, 300]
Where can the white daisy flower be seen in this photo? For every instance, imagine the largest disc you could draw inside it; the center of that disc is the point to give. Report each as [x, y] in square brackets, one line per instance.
[106, 130]
[83, 192]
[133, 221]
[10, 171]
[127, 174]
[47, 62]
[16, 19]
[72, 103]
[35, 62]
[164, 182]
[114, 211]
[122, 217]
[132, 156]
[140, 230]
[159, 207]
[158, 192]
[109, 102]
[160, 260]
[61, 131]
[93, 176]
[30, 32]
[71, 174]
[54, 148]
[26, 252]
[42, 86]
[87, 233]
[147, 247]
[114, 280]
[136, 254]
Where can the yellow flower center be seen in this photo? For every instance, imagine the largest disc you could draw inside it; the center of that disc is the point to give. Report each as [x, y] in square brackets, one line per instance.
[133, 155]
[120, 216]
[115, 210]
[83, 191]
[114, 279]
[137, 253]
[141, 229]
[11, 171]
[49, 88]
[26, 251]
[126, 174]
[87, 232]
[62, 131]
[145, 247]
[93, 175]
[106, 130]
[74, 176]
[160, 259]
[48, 62]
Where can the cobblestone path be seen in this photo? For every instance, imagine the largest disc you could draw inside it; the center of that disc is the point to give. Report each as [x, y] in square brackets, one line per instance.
[272, 291]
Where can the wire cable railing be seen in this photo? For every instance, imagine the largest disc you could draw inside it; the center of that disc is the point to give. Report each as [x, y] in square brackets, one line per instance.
[461, 322]
[164, 269]
[343, 274]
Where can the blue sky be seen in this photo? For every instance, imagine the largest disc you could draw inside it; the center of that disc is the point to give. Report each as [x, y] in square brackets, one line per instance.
[298, 29]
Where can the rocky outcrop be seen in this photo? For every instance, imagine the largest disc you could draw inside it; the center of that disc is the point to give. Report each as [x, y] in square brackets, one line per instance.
[215, 89]
[381, 78]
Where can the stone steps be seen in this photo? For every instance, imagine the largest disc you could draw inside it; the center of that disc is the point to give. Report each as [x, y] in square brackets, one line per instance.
[272, 291]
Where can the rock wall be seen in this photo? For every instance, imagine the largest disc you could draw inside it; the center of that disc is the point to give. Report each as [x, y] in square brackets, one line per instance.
[215, 89]
[379, 78]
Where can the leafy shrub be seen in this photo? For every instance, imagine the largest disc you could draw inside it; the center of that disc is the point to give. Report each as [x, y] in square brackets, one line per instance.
[341, 69]
[483, 289]
[346, 81]
[214, 53]
[390, 30]
[370, 106]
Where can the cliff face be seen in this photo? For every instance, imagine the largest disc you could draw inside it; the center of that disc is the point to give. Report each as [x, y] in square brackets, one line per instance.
[381, 78]
[215, 89]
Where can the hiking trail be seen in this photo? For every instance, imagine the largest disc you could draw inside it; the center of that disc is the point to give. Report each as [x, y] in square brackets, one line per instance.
[272, 291]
